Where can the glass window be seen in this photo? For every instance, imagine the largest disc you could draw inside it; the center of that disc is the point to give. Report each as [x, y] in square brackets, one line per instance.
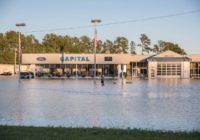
[108, 58]
[52, 66]
[195, 69]
[46, 65]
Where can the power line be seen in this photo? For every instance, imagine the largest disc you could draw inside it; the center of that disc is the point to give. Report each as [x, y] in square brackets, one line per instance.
[118, 22]
[152, 18]
[59, 29]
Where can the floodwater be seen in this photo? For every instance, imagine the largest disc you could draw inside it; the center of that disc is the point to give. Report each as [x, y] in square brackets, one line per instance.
[165, 104]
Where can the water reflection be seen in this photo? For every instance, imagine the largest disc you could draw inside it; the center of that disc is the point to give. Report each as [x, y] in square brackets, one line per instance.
[167, 104]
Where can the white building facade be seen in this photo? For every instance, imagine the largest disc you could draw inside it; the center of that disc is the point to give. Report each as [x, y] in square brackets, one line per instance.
[167, 64]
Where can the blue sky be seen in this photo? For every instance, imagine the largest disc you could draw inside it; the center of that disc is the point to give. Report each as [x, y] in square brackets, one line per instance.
[51, 14]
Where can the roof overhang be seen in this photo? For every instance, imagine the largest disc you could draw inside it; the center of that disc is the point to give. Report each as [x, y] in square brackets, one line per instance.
[169, 59]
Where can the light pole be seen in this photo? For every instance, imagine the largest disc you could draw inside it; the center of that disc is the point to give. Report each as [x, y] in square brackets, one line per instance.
[62, 51]
[95, 21]
[15, 50]
[19, 45]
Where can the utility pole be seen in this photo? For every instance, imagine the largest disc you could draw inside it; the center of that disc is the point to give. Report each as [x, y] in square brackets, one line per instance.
[95, 21]
[19, 46]
[62, 51]
[15, 50]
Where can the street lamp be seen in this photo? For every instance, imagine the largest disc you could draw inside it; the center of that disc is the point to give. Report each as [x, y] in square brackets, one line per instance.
[15, 50]
[95, 21]
[19, 44]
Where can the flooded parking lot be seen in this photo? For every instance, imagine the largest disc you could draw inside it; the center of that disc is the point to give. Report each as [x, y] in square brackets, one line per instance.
[165, 104]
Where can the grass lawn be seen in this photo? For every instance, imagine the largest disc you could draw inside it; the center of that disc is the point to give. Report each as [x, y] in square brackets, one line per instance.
[59, 133]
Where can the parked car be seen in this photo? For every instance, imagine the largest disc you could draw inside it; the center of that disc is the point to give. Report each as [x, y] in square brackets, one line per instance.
[67, 74]
[39, 74]
[6, 74]
[26, 75]
[50, 75]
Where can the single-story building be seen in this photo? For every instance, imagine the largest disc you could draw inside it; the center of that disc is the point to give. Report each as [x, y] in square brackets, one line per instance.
[167, 64]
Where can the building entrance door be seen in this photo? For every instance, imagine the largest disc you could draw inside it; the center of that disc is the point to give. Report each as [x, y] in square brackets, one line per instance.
[135, 72]
[152, 73]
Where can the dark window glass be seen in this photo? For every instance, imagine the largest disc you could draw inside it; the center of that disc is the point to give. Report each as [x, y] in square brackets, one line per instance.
[107, 58]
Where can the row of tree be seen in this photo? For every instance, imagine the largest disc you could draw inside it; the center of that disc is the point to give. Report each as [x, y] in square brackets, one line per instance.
[52, 44]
